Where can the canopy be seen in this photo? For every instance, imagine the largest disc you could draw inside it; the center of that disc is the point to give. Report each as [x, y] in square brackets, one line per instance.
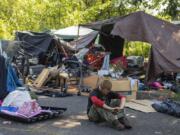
[72, 32]
[139, 26]
[82, 42]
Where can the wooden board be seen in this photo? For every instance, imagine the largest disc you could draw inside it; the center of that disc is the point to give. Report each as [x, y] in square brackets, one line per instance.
[42, 78]
[141, 105]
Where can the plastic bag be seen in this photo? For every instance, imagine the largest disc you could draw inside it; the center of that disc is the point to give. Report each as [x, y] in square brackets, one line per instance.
[105, 67]
[16, 98]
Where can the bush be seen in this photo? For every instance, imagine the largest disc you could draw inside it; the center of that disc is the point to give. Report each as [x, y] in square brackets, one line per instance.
[137, 48]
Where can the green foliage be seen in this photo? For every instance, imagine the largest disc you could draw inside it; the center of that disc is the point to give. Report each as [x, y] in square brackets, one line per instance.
[137, 49]
[40, 15]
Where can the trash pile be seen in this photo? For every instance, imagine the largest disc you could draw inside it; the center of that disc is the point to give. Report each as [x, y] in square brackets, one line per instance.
[19, 105]
[50, 62]
[17, 101]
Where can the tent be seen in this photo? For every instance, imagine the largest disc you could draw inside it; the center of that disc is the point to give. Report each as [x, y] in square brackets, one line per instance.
[34, 43]
[8, 77]
[43, 46]
[72, 32]
[139, 26]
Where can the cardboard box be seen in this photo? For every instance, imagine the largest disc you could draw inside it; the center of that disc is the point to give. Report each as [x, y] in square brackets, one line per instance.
[91, 81]
[122, 86]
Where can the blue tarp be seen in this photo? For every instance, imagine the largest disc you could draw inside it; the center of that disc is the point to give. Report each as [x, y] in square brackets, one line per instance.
[12, 79]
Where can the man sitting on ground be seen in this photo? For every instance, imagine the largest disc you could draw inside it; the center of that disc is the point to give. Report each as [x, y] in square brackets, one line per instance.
[105, 105]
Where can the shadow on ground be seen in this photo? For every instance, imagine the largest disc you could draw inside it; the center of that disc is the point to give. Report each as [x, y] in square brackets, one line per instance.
[75, 122]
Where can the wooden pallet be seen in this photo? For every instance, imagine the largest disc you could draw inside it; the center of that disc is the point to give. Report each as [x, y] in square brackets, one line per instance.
[42, 78]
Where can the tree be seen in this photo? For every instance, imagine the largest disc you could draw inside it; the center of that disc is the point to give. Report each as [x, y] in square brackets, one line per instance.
[40, 15]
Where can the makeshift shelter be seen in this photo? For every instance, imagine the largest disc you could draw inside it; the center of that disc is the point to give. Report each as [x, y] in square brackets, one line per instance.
[42, 45]
[139, 26]
[71, 33]
[8, 77]
[81, 42]
[111, 43]
[34, 43]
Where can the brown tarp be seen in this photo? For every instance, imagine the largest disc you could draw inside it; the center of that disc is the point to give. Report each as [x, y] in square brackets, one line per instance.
[163, 36]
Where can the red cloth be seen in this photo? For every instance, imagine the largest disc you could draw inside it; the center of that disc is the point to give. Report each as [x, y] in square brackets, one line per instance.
[122, 59]
[98, 102]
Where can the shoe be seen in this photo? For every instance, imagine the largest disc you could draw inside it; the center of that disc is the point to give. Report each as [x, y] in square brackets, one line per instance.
[125, 122]
[120, 126]
[117, 125]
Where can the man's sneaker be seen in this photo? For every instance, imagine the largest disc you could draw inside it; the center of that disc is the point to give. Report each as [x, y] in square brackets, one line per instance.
[125, 122]
[117, 125]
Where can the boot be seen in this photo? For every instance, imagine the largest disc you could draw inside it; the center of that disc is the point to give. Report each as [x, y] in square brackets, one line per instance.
[117, 125]
[125, 122]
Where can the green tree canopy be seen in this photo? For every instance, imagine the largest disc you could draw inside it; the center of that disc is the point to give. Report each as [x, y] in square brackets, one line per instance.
[40, 15]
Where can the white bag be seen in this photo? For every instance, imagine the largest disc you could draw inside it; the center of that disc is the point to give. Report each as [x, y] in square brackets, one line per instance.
[16, 98]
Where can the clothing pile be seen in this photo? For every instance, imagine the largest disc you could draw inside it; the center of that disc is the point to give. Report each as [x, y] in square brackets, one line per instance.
[169, 107]
[19, 103]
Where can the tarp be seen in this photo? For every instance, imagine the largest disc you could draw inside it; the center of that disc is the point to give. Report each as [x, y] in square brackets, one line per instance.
[3, 78]
[8, 78]
[82, 42]
[111, 43]
[72, 32]
[34, 43]
[107, 24]
[163, 36]
[12, 79]
[9, 47]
